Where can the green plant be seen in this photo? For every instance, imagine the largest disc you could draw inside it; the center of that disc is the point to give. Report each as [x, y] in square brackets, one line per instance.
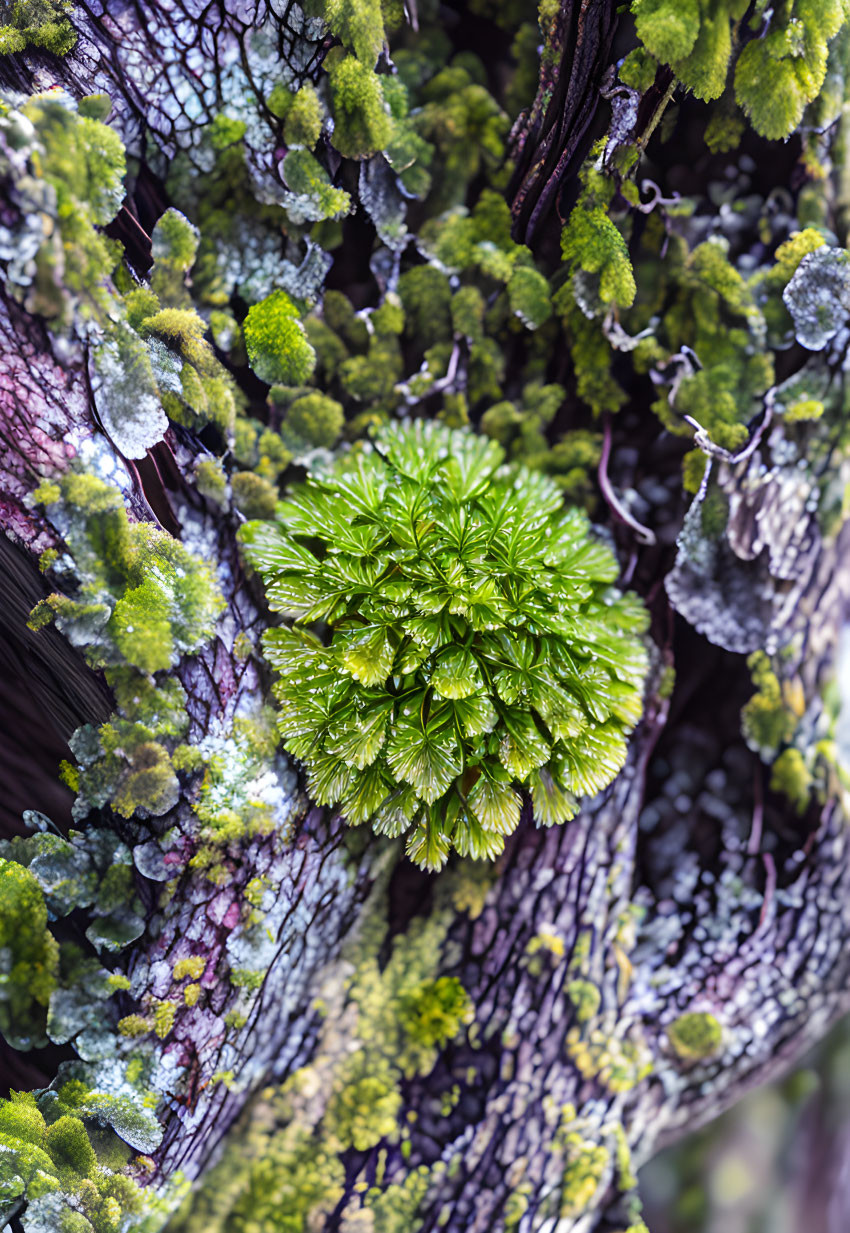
[455, 637]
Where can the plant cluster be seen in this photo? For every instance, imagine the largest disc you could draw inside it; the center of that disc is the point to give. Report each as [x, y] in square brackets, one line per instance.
[455, 638]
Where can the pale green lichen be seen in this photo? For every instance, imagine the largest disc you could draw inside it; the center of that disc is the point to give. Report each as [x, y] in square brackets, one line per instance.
[695, 1036]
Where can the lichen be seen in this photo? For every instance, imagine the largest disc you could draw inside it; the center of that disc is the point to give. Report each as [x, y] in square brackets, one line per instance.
[695, 1036]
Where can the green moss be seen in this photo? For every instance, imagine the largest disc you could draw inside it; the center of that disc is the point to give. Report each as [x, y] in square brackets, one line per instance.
[164, 1014]
[585, 1163]
[365, 1105]
[150, 783]
[766, 720]
[358, 24]
[211, 480]
[175, 241]
[253, 496]
[31, 962]
[134, 1025]
[192, 966]
[695, 1036]
[278, 350]
[791, 776]
[591, 242]
[315, 419]
[435, 1012]
[382, 764]
[304, 118]
[362, 121]
[585, 997]
[68, 1144]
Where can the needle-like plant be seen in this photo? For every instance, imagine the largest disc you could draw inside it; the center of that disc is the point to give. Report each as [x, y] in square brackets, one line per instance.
[455, 638]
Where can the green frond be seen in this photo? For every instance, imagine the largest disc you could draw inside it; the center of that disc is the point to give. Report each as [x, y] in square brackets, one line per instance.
[467, 643]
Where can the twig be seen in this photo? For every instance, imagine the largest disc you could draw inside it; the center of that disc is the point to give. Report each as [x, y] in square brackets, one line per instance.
[618, 509]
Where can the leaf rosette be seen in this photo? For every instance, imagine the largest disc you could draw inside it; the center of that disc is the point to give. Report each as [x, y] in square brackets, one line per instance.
[455, 639]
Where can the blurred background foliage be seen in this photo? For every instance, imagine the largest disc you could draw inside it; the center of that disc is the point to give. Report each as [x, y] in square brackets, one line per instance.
[778, 1162]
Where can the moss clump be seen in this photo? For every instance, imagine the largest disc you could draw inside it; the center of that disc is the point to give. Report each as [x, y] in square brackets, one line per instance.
[431, 701]
[192, 966]
[586, 999]
[31, 957]
[434, 1012]
[315, 419]
[253, 496]
[365, 1105]
[695, 1036]
[278, 350]
[791, 776]
[767, 721]
[362, 121]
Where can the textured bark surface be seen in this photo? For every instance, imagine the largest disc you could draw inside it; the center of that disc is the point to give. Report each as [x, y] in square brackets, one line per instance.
[685, 887]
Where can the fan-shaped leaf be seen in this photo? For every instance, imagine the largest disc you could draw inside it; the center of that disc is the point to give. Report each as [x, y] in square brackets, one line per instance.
[456, 675]
[551, 803]
[369, 656]
[427, 760]
[495, 804]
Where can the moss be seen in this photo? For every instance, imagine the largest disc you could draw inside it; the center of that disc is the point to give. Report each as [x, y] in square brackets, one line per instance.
[766, 720]
[365, 1105]
[149, 784]
[192, 965]
[618, 1064]
[191, 994]
[304, 118]
[585, 997]
[435, 1011]
[247, 978]
[253, 496]
[791, 776]
[134, 1025]
[585, 1163]
[31, 957]
[591, 242]
[175, 240]
[315, 419]
[362, 121]
[278, 350]
[164, 1013]
[68, 1144]
[693, 470]
[386, 770]
[695, 1036]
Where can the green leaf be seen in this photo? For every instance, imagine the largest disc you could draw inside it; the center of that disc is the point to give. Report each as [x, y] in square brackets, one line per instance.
[476, 715]
[471, 465]
[272, 552]
[469, 838]
[427, 846]
[495, 804]
[297, 595]
[329, 779]
[367, 791]
[589, 762]
[428, 760]
[368, 656]
[359, 742]
[551, 803]
[362, 485]
[522, 749]
[395, 813]
[456, 675]
[418, 451]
